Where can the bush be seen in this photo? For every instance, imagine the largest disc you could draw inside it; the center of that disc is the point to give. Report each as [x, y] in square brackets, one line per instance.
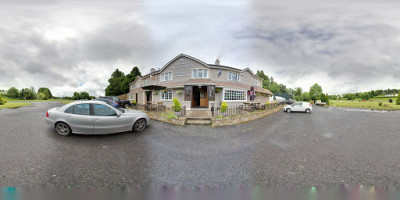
[267, 103]
[133, 103]
[398, 100]
[224, 106]
[380, 103]
[177, 104]
[41, 96]
[2, 102]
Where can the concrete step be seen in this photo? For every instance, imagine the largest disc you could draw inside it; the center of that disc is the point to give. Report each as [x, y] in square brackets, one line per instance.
[198, 118]
[198, 122]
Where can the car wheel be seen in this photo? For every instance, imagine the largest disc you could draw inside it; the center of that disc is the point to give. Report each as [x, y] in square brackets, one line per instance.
[308, 110]
[139, 125]
[63, 129]
[288, 110]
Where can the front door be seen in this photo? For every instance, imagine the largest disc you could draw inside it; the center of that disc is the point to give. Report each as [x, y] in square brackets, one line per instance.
[200, 97]
[148, 96]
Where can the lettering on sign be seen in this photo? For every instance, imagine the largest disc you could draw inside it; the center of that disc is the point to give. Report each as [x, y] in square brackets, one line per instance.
[182, 68]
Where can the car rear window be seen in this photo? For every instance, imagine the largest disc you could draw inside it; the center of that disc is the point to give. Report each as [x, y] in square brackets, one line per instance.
[70, 110]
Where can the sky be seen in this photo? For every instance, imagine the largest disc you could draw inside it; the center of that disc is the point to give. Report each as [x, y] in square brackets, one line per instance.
[74, 45]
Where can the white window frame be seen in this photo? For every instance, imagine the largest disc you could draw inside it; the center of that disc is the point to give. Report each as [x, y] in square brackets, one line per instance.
[235, 90]
[169, 95]
[163, 75]
[256, 82]
[196, 75]
[230, 77]
[146, 81]
[139, 84]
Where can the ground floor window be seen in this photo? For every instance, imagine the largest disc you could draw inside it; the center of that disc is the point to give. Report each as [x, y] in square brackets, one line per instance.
[167, 95]
[235, 95]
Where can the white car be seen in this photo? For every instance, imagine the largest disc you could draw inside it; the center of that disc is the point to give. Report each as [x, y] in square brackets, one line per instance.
[298, 107]
[95, 117]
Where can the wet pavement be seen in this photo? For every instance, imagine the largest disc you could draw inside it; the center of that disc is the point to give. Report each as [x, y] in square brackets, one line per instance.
[324, 148]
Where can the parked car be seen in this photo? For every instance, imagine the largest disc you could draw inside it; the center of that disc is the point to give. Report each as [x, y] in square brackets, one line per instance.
[109, 102]
[121, 103]
[95, 117]
[298, 107]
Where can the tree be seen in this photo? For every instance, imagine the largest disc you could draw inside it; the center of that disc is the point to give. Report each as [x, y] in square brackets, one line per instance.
[13, 92]
[315, 91]
[84, 95]
[76, 96]
[129, 78]
[298, 91]
[46, 92]
[1, 100]
[114, 87]
[28, 93]
[41, 96]
[305, 96]
[266, 83]
[398, 100]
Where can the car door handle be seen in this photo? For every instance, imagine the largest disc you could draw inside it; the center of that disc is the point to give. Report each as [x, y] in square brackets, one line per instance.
[97, 119]
[69, 117]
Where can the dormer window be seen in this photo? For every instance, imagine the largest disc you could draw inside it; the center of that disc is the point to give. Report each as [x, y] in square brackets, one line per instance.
[256, 82]
[200, 73]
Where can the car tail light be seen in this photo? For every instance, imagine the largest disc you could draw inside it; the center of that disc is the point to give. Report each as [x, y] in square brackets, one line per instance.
[47, 114]
[309, 104]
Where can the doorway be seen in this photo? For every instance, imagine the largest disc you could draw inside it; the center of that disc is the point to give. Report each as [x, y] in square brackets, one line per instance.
[200, 99]
[149, 97]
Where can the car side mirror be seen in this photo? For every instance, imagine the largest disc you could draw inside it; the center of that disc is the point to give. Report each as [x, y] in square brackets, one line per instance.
[118, 114]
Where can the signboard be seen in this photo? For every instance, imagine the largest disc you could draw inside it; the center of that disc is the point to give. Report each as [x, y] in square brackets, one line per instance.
[182, 67]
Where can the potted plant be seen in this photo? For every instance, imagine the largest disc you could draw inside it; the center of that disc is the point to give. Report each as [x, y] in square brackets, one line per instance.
[218, 90]
[179, 92]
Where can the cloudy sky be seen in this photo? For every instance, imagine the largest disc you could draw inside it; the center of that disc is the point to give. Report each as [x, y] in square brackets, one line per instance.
[74, 45]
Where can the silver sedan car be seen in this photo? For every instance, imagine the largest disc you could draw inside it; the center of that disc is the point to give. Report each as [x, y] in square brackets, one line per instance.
[95, 117]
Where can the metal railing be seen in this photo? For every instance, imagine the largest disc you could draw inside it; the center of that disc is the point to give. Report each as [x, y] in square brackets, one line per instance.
[240, 110]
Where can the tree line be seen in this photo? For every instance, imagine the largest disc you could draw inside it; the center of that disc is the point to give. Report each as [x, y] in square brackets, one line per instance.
[42, 94]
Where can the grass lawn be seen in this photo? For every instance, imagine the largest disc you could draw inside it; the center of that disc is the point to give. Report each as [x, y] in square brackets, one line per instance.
[10, 99]
[380, 98]
[14, 105]
[365, 104]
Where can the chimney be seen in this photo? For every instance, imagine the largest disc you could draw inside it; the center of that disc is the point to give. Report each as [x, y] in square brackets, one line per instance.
[152, 70]
[217, 62]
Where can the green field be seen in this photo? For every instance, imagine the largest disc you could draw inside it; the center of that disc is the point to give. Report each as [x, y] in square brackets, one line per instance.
[10, 99]
[365, 104]
[380, 98]
[14, 105]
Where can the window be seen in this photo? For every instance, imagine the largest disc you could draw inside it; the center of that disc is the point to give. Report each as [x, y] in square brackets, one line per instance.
[70, 110]
[167, 95]
[200, 73]
[103, 110]
[166, 76]
[81, 109]
[233, 76]
[235, 95]
[256, 82]
[139, 84]
[146, 81]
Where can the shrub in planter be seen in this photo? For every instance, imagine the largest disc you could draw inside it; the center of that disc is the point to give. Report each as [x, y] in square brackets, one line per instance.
[380, 103]
[134, 103]
[390, 100]
[224, 106]
[177, 104]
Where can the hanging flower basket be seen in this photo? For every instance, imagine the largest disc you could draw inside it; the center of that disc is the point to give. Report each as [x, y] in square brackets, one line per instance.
[155, 92]
[218, 90]
[179, 92]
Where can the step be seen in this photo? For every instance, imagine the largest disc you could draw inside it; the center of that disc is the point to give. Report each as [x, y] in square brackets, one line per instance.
[198, 122]
[198, 118]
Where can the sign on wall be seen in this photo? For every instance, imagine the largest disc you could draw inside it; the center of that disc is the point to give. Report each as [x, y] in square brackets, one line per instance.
[182, 67]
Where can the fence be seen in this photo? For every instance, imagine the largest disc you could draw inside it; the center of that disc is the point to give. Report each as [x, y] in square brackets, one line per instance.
[240, 110]
[162, 109]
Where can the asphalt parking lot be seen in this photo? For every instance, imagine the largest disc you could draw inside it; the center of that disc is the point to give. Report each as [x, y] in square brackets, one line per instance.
[324, 148]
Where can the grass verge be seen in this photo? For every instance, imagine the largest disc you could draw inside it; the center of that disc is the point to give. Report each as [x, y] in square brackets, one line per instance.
[365, 105]
[14, 105]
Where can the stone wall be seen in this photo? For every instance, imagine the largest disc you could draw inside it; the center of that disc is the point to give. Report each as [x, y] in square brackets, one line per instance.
[180, 121]
[238, 119]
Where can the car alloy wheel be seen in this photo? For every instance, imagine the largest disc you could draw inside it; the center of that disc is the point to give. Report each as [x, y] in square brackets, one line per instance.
[308, 110]
[63, 129]
[288, 110]
[139, 125]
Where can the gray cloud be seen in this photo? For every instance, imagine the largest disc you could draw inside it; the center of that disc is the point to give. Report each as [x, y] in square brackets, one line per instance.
[73, 45]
